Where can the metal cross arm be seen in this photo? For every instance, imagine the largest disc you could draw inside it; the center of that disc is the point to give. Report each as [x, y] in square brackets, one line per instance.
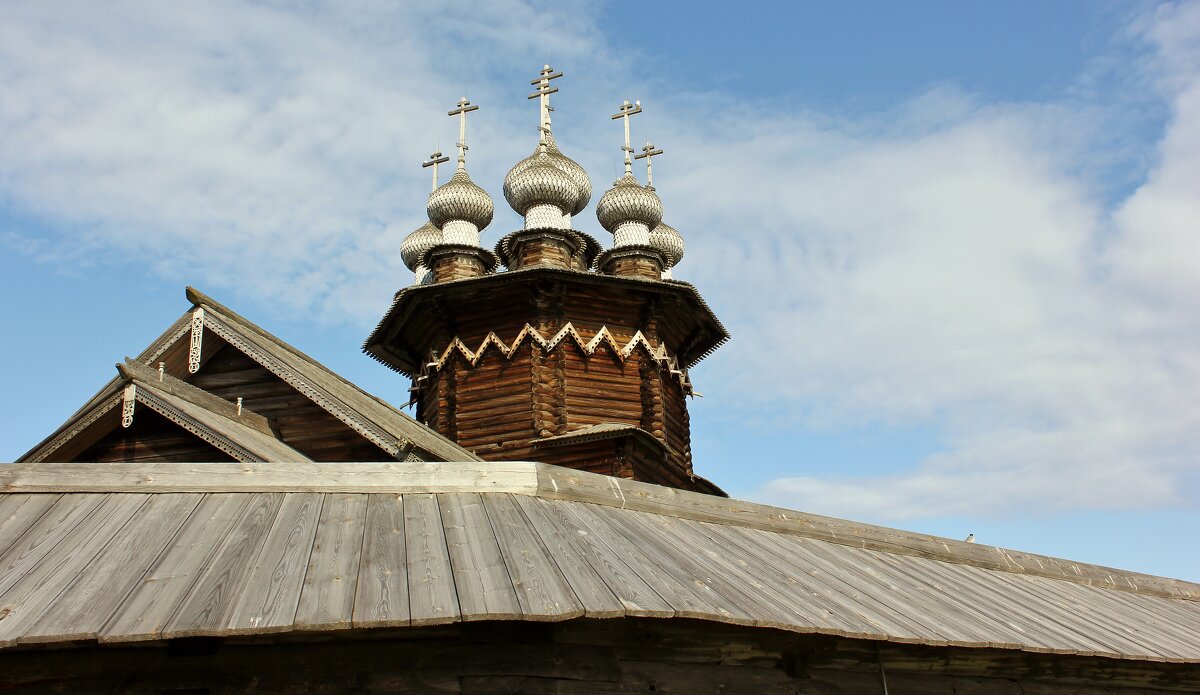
[648, 154]
[434, 160]
[464, 107]
[627, 109]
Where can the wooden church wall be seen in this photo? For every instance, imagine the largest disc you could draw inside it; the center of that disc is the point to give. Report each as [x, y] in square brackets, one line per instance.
[578, 656]
[493, 404]
[151, 437]
[298, 421]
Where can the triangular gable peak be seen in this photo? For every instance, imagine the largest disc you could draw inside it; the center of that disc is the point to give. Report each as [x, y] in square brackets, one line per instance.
[306, 406]
[148, 415]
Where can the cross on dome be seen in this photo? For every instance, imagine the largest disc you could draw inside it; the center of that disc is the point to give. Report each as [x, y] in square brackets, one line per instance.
[434, 160]
[543, 92]
[625, 112]
[649, 153]
[464, 107]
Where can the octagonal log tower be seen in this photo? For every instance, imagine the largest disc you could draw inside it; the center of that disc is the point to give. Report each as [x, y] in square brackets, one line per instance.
[554, 364]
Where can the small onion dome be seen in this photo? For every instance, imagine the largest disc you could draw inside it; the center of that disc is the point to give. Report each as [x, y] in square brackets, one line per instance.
[540, 183]
[460, 199]
[629, 201]
[554, 157]
[414, 246]
[666, 239]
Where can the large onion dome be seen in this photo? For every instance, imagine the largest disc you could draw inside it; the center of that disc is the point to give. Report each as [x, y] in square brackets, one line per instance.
[669, 241]
[629, 201]
[460, 199]
[414, 246]
[549, 154]
[540, 183]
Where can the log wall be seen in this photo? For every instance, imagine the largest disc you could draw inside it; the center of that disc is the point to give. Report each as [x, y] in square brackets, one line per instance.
[300, 423]
[578, 656]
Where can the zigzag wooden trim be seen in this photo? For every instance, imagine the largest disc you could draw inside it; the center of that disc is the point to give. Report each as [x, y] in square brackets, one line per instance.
[588, 347]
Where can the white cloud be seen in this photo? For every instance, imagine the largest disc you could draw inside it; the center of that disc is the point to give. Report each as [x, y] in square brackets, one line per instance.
[951, 264]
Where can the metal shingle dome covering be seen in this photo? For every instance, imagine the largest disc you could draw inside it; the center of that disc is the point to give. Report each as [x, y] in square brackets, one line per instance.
[416, 244]
[460, 199]
[540, 183]
[669, 241]
[629, 201]
[549, 155]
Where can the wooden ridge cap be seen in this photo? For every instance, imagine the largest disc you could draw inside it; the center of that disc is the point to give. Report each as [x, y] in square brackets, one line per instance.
[143, 375]
[554, 482]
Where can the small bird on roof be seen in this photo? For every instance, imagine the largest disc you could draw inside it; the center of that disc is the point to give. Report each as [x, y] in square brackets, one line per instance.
[970, 538]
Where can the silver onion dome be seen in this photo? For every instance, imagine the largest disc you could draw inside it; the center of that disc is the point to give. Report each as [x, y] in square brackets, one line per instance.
[416, 244]
[553, 156]
[669, 241]
[540, 183]
[460, 199]
[629, 201]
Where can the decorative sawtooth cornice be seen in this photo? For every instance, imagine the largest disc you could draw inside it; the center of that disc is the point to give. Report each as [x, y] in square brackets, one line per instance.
[528, 333]
[331, 405]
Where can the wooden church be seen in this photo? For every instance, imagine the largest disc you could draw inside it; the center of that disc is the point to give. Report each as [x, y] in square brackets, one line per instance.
[228, 515]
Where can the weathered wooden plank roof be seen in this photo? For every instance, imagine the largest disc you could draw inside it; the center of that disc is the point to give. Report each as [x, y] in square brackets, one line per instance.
[129, 552]
[390, 429]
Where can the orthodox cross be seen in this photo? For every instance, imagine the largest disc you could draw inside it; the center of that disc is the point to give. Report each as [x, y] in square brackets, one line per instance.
[625, 112]
[464, 107]
[544, 90]
[648, 153]
[434, 160]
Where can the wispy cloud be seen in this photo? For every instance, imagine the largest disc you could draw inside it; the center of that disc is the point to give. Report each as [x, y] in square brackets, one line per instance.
[954, 264]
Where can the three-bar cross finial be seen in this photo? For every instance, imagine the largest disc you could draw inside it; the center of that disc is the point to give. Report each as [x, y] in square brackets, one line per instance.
[625, 112]
[434, 160]
[464, 107]
[648, 154]
[543, 92]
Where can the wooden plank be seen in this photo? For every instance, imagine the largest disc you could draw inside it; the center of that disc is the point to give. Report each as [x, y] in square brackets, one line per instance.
[152, 603]
[395, 478]
[26, 600]
[42, 536]
[593, 572]
[83, 608]
[327, 597]
[209, 604]
[272, 592]
[481, 581]
[18, 513]
[431, 594]
[382, 596]
[542, 590]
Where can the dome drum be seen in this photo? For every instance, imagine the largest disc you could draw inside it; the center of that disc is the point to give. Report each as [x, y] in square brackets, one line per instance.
[459, 261]
[641, 261]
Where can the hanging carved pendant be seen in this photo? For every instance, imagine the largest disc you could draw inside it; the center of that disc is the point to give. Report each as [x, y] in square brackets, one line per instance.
[127, 403]
[197, 340]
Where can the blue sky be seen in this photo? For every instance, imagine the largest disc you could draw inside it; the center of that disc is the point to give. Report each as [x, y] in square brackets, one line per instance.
[959, 237]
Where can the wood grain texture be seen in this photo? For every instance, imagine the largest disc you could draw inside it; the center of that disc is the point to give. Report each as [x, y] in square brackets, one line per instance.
[27, 599]
[151, 604]
[432, 597]
[272, 590]
[485, 590]
[41, 537]
[209, 604]
[381, 599]
[542, 590]
[18, 513]
[83, 608]
[327, 597]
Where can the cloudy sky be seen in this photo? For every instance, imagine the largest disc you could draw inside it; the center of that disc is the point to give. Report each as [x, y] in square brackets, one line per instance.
[955, 244]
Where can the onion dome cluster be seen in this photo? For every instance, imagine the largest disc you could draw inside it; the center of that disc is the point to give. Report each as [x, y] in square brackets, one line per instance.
[547, 178]
[629, 210]
[460, 209]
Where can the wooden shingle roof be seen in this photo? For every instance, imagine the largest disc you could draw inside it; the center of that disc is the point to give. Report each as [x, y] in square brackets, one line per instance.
[129, 552]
